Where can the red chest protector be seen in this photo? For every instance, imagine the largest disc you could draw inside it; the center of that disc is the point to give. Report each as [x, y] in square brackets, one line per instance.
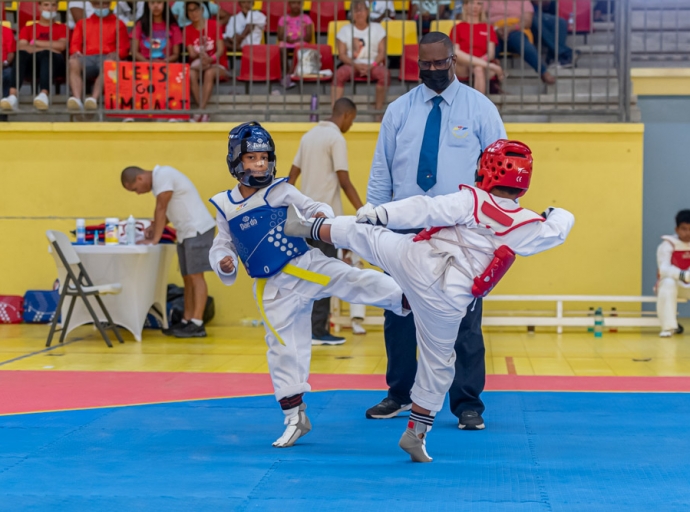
[681, 253]
[498, 221]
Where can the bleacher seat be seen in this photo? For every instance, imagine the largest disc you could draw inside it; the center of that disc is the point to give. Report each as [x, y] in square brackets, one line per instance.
[323, 13]
[445, 26]
[409, 69]
[327, 62]
[399, 33]
[233, 7]
[333, 29]
[260, 63]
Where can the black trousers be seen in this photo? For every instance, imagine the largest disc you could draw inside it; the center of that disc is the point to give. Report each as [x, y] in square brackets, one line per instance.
[24, 66]
[470, 369]
[322, 307]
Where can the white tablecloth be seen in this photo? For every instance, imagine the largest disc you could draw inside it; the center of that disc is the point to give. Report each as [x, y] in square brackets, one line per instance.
[142, 270]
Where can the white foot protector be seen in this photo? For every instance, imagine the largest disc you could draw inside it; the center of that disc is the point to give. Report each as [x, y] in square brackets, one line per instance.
[357, 327]
[297, 425]
[416, 447]
[666, 334]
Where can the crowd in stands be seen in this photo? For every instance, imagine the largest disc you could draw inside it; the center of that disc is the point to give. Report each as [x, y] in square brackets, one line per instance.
[203, 33]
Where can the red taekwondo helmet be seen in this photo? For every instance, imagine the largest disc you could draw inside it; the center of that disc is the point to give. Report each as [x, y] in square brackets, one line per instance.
[506, 163]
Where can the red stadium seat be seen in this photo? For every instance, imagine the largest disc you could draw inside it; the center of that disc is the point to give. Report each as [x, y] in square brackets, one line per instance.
[260, 63]
[278, 9]
[327, 62]
[409, 69]
[27, 11]
[582, 10]
[322, 13]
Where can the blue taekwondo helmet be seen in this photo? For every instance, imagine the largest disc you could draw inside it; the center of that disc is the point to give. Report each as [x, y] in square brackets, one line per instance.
[251, 138]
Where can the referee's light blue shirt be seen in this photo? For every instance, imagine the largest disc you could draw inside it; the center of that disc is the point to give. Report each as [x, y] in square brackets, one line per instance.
[469, 123]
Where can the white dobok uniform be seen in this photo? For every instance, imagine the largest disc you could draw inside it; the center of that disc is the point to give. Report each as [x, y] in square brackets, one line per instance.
[672, 256]
[287, 299]
[437, 275]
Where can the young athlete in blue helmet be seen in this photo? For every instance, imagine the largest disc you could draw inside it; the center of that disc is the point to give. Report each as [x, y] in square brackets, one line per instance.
[289, 275]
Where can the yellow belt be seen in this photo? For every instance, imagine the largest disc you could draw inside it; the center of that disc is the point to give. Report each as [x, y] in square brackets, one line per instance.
[306, 275]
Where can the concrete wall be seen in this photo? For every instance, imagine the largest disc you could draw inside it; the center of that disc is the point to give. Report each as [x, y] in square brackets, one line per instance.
[666, 174]
[55, 173]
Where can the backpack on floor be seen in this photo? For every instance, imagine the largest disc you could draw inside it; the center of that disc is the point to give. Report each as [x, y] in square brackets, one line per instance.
[40, 306]
[11, 307]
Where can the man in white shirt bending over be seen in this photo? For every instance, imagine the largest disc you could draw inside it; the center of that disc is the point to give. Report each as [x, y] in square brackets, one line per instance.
[322, 161]
[245, 28]
[178, 202]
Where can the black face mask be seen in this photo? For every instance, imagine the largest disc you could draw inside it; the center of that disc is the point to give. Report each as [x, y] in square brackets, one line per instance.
[436, 79]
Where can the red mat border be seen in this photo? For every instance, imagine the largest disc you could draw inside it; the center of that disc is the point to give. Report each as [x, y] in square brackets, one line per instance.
[25, 391]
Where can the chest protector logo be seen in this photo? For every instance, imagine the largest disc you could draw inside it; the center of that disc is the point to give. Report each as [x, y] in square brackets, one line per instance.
[496, 221]
[257, 232]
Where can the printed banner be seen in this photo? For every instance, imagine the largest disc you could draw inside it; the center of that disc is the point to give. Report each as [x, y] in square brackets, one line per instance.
[142, 86]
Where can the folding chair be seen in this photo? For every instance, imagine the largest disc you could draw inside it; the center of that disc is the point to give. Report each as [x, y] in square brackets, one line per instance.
[79, 284]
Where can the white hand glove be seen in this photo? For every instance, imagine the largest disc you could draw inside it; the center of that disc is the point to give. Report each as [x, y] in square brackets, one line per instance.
[374, 215]
[685, 276]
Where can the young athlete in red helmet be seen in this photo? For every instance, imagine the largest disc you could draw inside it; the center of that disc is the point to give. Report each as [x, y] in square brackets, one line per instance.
[443, 269]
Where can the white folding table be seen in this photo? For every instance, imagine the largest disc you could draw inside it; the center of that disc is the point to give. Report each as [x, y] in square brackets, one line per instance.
[142, 270]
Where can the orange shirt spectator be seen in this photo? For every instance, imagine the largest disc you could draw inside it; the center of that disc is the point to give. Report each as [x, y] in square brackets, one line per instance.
[86, 38]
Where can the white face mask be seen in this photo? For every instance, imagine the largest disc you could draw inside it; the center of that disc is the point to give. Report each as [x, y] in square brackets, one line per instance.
[48, 15]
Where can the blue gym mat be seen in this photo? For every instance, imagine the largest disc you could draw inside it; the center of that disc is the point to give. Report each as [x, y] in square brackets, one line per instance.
[541, 451]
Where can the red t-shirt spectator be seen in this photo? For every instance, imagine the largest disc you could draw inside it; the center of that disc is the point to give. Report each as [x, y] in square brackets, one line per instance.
[465, 32]
[43, 32]
[8, 44]
[193, 37]
[89, 29]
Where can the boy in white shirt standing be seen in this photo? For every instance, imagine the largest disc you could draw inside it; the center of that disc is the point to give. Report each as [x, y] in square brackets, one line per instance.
[178, 202]
[673, 262]
[245, 28]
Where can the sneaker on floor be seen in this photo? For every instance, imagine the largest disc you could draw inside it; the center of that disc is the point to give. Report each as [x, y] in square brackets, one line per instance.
[571, 62]
[170, 331]
[386, 409]
[416, 447]
[10, 103]
[327, 339]
[666, 334]
[90, 104]
[471, 420]
[205, 118]
[296, 427]
[75, 104]
[191, 330]
[357, 327]
[41, 102]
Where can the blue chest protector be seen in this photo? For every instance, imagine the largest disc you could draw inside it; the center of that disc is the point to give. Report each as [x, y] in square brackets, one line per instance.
[256, 229]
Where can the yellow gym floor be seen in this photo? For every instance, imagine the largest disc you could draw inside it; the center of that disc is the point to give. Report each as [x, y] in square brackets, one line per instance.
[242, 350]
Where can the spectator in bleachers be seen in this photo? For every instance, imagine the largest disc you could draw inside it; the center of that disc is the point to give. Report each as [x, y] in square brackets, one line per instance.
[7, 52]
[475, 46]
[428, 11]
[208, 61]
[156, 36]
[547, 32]
[244, 28]
[512, 20]
[295, 27]
[130, 12]
[362, 50]
[95, 39]
[380, 11]
[77, 11]
[209, 9]
[47, 41]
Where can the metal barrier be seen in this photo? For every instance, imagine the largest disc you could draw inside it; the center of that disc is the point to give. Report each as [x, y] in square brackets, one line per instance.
[212, 70]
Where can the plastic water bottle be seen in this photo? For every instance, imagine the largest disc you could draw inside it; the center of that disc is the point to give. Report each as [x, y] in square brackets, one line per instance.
[251, 322]
[95, 237]
[131, 231]
[590, 313]
[314, 118]
[81, 232]
[598, 323]
[571, 22]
